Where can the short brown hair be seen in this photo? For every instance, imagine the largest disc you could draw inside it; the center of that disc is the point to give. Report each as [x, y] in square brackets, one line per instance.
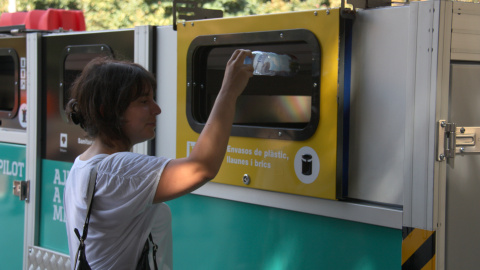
[101, 95]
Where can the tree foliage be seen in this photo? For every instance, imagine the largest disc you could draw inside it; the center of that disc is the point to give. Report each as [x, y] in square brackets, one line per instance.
[117, 14]
[105, 14]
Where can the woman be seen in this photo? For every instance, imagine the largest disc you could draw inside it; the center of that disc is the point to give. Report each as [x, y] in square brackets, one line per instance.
[114, 103]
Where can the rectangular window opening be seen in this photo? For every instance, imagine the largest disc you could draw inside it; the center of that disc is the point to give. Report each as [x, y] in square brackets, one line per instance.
[270, 105]
[73, 66]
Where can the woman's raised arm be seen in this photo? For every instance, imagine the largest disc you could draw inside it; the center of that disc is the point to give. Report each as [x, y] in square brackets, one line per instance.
[182, 176]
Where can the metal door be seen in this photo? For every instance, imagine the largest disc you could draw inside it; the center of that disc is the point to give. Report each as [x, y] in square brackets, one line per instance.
[463, 172]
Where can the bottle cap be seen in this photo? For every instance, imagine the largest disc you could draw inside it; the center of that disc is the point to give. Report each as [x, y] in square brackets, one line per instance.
[247, 61]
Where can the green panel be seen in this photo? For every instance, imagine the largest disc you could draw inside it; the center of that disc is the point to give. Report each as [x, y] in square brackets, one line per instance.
[211, 234]
[12, 210]
[221, 234]
[52, 231]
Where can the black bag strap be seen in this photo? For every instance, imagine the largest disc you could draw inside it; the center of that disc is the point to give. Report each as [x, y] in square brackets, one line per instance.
[154, 251]
[92, 183]
[90, 195]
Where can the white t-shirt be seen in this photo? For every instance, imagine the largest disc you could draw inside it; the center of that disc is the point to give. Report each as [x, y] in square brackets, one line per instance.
[123, 213]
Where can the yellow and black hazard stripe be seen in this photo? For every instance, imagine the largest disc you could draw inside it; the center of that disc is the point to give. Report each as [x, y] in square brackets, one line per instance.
[418, 249]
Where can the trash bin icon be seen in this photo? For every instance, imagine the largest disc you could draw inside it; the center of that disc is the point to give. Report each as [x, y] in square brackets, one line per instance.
[306, 164]
[24, 115]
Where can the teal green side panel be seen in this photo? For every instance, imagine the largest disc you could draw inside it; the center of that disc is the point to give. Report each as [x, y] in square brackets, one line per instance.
[52, 231]
[12, 210]
[213, 234]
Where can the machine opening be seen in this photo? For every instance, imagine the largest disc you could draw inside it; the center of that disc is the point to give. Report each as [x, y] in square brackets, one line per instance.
[9, 94]
[75, 60]
[270, 105]
[74, 64]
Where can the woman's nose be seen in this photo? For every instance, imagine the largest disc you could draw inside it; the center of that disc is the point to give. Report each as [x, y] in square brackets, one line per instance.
[156, 109]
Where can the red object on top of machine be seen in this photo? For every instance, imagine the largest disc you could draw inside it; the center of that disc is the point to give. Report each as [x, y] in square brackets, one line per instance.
[50, 19]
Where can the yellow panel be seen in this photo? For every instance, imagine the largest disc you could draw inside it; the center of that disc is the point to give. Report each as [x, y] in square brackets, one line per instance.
[271, 163]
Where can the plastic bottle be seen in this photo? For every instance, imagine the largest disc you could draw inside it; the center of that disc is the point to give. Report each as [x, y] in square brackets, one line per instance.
[273, 64]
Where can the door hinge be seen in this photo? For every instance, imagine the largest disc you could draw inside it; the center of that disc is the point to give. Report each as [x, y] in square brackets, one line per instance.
[454, 140]
[21, 189]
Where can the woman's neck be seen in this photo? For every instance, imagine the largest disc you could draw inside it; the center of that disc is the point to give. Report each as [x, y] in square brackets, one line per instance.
[98, 147]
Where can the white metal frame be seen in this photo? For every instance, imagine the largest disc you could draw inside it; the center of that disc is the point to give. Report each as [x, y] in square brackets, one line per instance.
[143, 47]
[32, 152]
[441, 112]
[419, 189]
[166, 46]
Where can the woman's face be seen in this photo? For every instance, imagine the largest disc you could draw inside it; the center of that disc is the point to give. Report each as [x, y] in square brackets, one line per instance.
[140, 119]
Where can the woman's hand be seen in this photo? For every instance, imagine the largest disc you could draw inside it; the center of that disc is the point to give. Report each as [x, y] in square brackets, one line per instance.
[237, 73]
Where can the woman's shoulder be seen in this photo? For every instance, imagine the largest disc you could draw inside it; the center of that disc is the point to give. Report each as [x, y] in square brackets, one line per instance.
[79, 163]
[127, 157]
[123, 161]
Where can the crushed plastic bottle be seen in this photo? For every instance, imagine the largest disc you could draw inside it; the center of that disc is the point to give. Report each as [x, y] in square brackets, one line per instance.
[273, 64]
